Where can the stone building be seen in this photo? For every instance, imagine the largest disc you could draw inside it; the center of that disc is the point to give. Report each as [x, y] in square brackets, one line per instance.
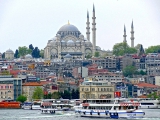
[9, 54]
[96, 90]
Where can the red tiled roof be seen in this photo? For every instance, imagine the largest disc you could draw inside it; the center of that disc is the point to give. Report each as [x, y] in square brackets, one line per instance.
[147, 85]
[41, 83]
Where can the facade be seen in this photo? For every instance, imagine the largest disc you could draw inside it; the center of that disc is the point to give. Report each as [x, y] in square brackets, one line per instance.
[96, 90]
[10, 88]
[109, 77]
[29, 87]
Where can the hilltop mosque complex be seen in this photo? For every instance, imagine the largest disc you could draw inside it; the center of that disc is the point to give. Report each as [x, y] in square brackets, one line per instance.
[70, 42]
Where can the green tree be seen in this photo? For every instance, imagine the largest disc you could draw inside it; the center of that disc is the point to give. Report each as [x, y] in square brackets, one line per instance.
[38, 93]
[42, 53]
[24, 51]
[88, 56]
[129, 70]
[153, 49]
[73, 94]
[5, 72]
[31, 47]
[3, 55]
[21, 98]
[123, 48]
[96, 54]
[16, 54]
[56, 95]
[141, 72]
[153, 96]
[77, 94]
[36, 53]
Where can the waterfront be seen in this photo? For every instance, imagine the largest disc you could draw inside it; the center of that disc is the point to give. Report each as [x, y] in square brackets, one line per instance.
[20, 114]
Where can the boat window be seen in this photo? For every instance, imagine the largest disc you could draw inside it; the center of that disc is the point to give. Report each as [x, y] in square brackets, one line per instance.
[147, 103]
[119, 107]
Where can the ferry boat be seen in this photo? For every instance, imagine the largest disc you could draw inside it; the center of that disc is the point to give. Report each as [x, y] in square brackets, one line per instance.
[48, 107]
[109, 108]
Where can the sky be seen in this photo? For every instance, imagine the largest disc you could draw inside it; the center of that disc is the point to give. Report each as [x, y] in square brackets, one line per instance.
[25, 22]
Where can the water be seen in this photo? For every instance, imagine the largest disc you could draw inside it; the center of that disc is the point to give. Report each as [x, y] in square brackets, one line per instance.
[20, 114]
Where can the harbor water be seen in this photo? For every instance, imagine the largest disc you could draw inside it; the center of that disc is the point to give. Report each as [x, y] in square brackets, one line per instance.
[20, 114]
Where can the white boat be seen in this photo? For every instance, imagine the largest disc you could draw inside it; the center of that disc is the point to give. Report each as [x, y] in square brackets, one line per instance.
[27, 106]
[110, 108]
[147, 103]
[36, 105]
[47, 107]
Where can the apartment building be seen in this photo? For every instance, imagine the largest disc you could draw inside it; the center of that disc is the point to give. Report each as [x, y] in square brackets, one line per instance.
[96, 90]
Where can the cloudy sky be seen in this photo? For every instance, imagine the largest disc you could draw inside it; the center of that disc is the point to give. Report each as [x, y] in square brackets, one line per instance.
[24, 22]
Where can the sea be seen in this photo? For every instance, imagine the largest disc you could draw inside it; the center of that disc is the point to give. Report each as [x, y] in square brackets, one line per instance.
[20, 114]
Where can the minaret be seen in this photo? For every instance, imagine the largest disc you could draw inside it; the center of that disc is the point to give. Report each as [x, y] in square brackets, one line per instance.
[124, 36]
[132, 35]
[94, 31]
[88, 28]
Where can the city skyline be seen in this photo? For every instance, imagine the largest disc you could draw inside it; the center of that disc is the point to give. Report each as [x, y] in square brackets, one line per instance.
[35, 22]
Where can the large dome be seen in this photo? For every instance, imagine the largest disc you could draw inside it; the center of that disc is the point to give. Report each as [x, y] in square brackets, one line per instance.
[68, 27]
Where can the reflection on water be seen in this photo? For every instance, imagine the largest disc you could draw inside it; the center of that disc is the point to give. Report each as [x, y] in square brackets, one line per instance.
[19, 114]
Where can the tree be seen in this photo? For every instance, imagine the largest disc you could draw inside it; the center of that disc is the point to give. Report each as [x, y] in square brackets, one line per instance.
[77, 94]
[56, 95]
[5, 72]
[42, 53]
[31, 47]
[36, 53]
[24, 51]
[21, 98]
[16, 54]
[88, 56]
[73, 94]
[123, 48]
[153, 96]
[129, 70]
[3, 55]
[38, 93]
[153, 49]
[96, 54]
[66, 94]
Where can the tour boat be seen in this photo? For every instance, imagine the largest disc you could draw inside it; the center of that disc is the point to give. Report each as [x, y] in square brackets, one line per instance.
[109, 108]
[47, 107]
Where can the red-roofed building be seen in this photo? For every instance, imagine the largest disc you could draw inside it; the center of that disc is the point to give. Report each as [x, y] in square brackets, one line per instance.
[146, 88]
[28, 88]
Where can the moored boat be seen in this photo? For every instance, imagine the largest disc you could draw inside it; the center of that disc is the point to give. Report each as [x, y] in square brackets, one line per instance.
[109, 108]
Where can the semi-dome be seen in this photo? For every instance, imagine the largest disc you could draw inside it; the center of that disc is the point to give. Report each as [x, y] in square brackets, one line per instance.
[68, 27]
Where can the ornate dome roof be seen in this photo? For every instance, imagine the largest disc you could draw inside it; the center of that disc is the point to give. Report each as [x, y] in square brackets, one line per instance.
[9, 51]
[68, 27]
[28, 56]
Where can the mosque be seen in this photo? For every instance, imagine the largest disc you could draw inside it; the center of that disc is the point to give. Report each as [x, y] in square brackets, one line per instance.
[70, 42]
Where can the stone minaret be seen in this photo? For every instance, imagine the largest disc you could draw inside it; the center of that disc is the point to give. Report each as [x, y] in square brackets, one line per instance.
[94, 31]
[132, 35]
[124, 36]
[88, 28]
